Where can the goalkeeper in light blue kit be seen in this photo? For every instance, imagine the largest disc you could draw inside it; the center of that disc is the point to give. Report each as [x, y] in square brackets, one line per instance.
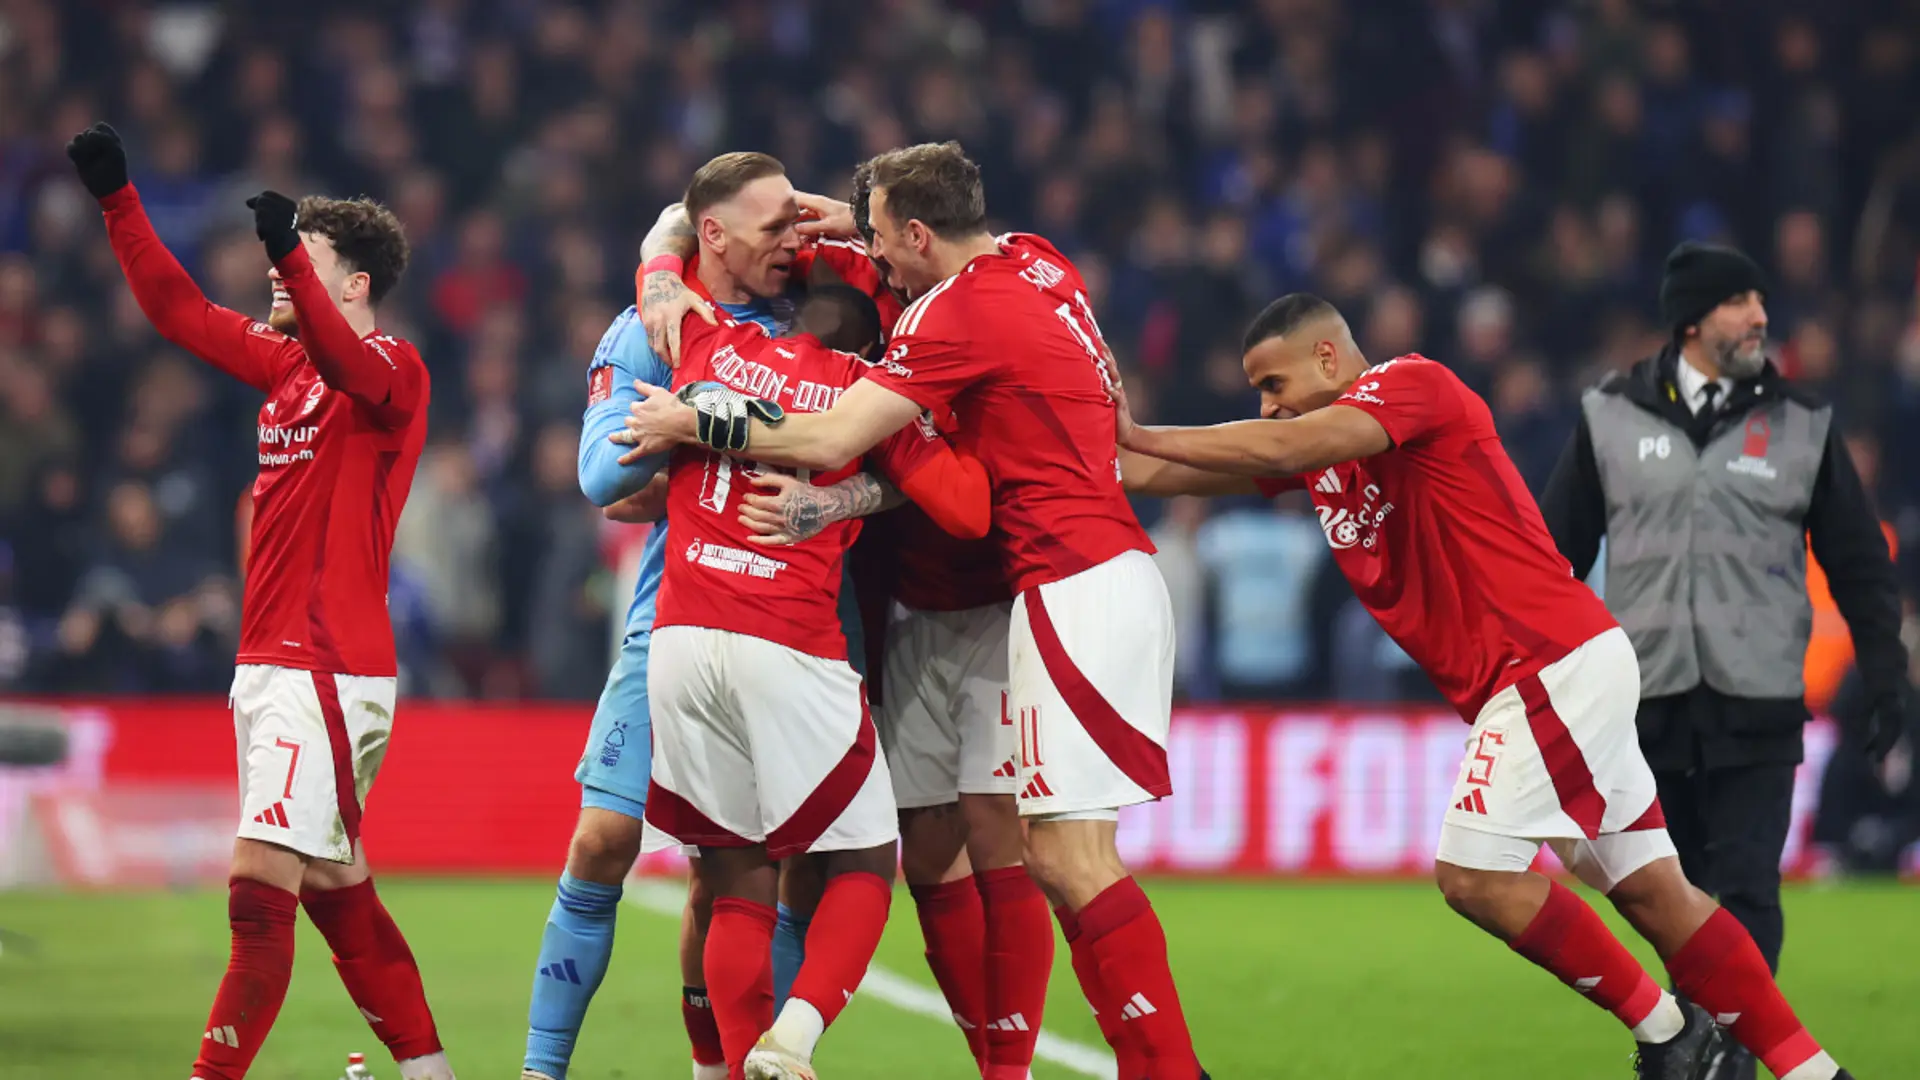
[750, 260]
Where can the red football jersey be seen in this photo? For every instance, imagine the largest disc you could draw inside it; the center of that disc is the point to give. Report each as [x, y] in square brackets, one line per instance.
[1442, 541]
[715, 578]
[1010, 346]
[335, 467]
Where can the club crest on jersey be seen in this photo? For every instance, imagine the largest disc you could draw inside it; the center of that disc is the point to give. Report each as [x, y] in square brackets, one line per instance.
[1753, 452]
[314, 394]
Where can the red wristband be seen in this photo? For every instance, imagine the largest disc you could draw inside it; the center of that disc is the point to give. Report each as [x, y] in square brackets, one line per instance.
[668, 264]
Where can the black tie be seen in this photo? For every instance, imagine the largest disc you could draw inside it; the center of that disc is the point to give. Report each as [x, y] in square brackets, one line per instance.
[1709, 392]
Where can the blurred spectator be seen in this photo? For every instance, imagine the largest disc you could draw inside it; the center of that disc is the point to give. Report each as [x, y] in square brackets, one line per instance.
[1260, 561]
[149, 613]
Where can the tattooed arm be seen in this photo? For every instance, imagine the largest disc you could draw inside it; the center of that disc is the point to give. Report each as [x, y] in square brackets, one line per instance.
[662, 297]
[788, 509]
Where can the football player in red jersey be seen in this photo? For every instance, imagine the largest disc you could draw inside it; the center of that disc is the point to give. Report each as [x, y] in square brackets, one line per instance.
[313, 693]
[938, 613]
[1002, 336]
[1433, 527]
[765, 748]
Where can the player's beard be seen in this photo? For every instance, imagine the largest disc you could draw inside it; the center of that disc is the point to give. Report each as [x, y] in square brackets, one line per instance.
[284, 320]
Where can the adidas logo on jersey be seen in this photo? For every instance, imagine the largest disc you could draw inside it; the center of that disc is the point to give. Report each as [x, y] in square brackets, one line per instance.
[1474, 803]
[562, 970]
[1138, 1006]
[1016, 1022]
[1328, 484]
[275, 815]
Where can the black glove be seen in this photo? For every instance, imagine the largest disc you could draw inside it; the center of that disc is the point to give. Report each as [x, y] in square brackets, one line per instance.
[97, 155]
[725, 414]
[274, 220]
[1883, 726]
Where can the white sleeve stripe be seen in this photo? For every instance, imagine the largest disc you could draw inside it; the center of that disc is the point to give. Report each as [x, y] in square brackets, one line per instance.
[910, 319]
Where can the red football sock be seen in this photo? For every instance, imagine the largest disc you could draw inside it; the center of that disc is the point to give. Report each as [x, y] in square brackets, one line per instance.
[1019, 962]
[955, 929]
[739, 967]
[697, 1013]
[1125, 936]
[255, 985]
[1568, 939]
[841, 940]
[1721, 969]
[1131, 1059]
[374, 962]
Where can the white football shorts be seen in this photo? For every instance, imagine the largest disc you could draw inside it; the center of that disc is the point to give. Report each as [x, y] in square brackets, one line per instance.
[310, 745]
[1555, 758]
[944, 719]
[1091, 688]
[757, 743]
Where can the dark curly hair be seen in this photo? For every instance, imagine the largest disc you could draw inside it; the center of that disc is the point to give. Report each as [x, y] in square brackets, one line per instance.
[364, 233]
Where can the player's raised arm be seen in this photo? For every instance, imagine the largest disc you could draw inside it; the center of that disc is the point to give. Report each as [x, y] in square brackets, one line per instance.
[351, 361]
[622, 358]
[660, 289]
[1256, 448]
[172, 302]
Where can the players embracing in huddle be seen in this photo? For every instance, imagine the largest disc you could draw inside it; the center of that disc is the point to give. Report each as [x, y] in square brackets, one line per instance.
[1001, 349]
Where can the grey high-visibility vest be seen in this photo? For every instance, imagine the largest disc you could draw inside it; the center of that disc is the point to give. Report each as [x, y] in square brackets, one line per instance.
[1706, 546]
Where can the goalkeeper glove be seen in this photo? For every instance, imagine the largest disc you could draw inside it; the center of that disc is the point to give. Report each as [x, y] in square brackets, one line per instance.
[100, 160]
[275, 221]
[725, 415]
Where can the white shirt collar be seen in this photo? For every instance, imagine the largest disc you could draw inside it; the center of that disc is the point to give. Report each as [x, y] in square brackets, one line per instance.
[1692, 381]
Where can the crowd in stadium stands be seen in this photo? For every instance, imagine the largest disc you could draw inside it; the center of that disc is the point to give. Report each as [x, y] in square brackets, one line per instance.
[1492, 183]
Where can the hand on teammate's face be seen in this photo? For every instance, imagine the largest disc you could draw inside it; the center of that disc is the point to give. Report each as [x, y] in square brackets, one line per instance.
[822, 216]
[664, 303]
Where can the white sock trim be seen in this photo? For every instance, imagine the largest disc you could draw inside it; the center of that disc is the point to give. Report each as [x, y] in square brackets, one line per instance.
[1820, 1066]
[426, 1067]
[1663, 1024]
[799, 1027]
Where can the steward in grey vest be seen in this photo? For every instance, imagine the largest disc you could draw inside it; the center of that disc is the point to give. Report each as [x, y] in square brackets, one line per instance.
[1707, 522]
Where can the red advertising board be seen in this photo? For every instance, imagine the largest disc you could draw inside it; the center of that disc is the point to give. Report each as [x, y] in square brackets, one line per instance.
[480, 788]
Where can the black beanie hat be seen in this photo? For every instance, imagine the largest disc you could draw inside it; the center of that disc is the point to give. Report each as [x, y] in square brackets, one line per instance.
[1700, 277]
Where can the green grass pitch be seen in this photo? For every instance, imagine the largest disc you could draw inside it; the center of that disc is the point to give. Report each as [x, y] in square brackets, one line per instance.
[1317, 981]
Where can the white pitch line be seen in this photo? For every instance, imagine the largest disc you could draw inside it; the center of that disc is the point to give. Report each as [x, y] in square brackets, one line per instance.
[903, 993]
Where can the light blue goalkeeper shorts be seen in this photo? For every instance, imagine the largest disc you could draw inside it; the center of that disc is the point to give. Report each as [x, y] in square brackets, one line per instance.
[618, 760]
